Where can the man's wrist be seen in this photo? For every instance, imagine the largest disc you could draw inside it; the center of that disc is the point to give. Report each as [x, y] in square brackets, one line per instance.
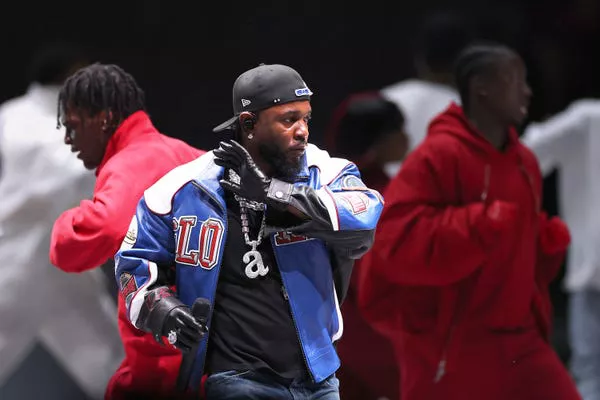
[279, 192]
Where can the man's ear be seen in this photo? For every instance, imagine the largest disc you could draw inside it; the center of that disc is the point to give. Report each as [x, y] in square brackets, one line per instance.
[479, 86]
[107, 123]
[247, 121]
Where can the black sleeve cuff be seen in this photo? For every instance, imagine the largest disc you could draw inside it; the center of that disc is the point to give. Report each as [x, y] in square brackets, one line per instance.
[280, 192]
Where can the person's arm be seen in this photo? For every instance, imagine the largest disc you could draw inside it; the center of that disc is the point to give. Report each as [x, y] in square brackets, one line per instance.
[425, 236]
[553, 241]
[550, 140]
[145, 274]
[86, 236]
[343, 212]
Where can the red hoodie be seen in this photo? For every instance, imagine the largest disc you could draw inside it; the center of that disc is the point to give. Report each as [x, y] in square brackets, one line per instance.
[85, 237]
[457, 256]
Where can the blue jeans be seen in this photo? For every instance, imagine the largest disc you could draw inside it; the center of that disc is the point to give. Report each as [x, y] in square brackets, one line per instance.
[584, 339]
[251, 385]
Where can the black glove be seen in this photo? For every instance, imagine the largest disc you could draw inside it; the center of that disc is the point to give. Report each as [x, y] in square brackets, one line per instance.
[252, 183]
[167, 316]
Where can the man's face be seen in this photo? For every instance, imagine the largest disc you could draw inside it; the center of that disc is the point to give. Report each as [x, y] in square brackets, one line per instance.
[281, 136]
[509, 92]
[85, 135]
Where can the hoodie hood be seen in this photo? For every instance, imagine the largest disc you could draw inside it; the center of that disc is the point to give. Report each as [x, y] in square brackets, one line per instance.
[453, 121]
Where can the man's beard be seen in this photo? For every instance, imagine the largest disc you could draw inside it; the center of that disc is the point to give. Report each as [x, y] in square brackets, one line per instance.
[284, 168]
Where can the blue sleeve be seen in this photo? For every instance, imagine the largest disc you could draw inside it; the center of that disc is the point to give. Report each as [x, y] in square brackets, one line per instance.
[147, 252]
[350, 204]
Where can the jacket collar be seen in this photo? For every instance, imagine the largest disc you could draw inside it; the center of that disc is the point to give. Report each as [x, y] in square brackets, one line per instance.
[133, 129]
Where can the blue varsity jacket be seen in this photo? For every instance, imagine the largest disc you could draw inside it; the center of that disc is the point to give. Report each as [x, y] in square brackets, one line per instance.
[181, 220]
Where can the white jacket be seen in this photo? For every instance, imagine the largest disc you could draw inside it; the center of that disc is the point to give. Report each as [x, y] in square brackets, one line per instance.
[72, 314]
[420, 101]
[570, 142]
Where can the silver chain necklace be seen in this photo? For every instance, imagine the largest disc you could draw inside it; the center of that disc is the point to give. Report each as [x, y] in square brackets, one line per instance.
[253, 259]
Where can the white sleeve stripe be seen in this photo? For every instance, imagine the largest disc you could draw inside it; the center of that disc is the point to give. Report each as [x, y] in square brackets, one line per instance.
[138, 298]
[336, 336]
[327, 199]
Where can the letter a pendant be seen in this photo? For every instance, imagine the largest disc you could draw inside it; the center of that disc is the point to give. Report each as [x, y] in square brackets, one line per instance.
[254, 263]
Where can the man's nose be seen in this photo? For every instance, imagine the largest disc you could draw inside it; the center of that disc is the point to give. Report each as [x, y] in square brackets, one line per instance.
[68, 139]
[301, 131]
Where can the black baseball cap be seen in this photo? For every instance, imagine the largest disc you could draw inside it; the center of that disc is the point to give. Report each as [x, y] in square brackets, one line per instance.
[265, 86]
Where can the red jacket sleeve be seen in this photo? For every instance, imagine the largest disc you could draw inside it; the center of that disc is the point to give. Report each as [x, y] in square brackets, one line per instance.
[554, 238]
[421, 239]
[85, 237]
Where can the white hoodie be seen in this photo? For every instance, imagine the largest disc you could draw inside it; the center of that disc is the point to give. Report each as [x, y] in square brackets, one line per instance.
[72, 314]
[570, 142]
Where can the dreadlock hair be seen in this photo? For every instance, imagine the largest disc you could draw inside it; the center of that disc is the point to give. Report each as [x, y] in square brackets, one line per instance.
[477, 60]
[101, 87]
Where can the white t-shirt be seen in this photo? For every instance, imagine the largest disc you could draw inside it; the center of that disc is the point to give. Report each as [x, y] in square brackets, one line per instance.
[420, 101]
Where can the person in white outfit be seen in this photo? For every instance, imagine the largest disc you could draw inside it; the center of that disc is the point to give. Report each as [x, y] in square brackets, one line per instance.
[72, 315]
[442, 36]
[570, 142]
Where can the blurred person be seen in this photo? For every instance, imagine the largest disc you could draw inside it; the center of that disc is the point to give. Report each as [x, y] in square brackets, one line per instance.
[441, 36]
[369, 130]
[570, 142]
[73, 317]
[266, 229]
[464, 254]
[103, 111]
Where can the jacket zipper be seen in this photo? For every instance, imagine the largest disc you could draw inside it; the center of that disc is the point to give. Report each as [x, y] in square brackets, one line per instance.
[441, 368]
[486, 183]
[287, 299]
[286, 296]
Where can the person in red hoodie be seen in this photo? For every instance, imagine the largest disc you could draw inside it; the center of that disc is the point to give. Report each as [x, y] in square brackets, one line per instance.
[369, 130]
[103, 110]
[463, 254]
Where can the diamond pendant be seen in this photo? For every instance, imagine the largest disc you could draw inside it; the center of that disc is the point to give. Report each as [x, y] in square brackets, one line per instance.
[254, 263]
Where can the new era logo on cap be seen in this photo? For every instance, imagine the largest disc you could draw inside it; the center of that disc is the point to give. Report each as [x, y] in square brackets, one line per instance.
[245, 102]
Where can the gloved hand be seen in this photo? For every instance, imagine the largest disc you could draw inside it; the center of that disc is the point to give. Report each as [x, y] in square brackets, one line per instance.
[252, 183]
[554, 235]
[168, 316]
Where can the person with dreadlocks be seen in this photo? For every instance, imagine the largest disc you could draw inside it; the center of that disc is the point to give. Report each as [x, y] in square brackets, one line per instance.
[103, 110]
[463, 253]
[40, 304]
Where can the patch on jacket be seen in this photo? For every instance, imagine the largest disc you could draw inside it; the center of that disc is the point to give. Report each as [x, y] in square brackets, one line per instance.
[283, 238]
[131, 235]
[352, 182]
[357, 201]
[128, 286]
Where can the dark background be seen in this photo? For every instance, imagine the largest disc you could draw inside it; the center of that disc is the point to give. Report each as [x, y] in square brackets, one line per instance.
[186, 55]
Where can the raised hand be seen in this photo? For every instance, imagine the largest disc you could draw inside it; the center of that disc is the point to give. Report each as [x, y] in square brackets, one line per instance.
[252, 183]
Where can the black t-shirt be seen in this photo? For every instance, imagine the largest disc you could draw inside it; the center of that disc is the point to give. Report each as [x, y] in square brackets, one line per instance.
[252, 327]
